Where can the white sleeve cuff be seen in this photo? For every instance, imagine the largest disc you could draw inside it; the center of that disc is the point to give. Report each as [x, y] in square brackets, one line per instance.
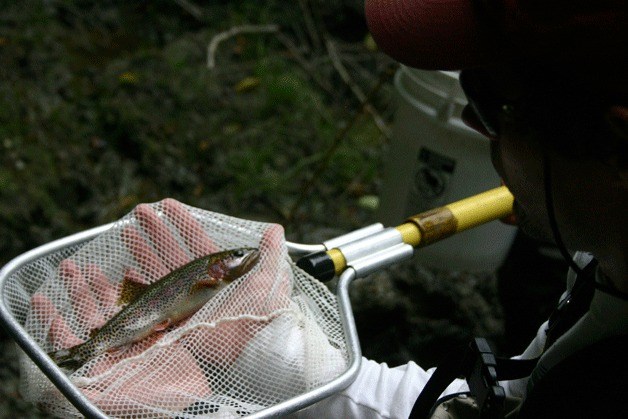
[378, 392]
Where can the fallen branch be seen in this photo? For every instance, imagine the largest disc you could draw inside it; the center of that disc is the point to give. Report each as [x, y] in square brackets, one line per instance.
[357, 91]
[282, 38]
[304, 63]
[191, 8]
[310, 25]
[234, 31]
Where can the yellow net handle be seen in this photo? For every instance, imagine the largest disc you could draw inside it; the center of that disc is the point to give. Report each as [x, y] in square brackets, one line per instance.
[433, 225]
[436, 224]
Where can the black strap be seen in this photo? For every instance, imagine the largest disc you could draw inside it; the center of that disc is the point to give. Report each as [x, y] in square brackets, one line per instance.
[448, 369]
[482, 370]
[573, 306]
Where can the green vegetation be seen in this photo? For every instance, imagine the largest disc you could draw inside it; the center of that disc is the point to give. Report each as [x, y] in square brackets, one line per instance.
[104, 105]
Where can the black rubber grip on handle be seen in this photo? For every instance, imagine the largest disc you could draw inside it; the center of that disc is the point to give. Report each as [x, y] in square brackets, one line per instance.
[319, 265]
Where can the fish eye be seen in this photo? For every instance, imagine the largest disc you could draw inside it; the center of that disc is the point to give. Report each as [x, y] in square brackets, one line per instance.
[239, 253]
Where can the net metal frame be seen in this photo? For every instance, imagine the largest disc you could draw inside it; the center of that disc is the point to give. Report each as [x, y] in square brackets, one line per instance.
[16, 294]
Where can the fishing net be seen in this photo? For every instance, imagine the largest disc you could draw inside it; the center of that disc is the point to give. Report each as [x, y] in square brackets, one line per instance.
[272, 334]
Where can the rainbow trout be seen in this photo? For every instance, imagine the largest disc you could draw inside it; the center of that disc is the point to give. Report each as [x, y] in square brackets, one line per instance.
[167, 301]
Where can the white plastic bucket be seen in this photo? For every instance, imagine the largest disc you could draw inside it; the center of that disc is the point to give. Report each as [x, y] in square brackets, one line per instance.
[434, 159]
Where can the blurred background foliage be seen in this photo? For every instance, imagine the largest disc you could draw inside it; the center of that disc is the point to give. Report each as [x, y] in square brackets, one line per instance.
[104, 105]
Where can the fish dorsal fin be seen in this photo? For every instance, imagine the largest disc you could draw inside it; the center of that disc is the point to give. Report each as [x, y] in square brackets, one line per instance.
[130, 290]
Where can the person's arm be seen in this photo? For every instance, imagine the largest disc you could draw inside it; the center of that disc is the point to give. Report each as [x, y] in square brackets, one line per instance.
[378, 392]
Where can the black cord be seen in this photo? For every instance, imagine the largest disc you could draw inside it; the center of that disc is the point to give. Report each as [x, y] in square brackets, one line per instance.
[549, 203]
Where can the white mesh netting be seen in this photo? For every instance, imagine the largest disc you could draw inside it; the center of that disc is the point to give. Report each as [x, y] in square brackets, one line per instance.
[271, 335]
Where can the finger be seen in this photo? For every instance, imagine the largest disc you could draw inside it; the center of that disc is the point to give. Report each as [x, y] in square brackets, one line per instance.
[150, 263]
[106, 361]
[176, 371]
[42, 310]
[82, 299]
[106, 293]
[281, 287]
[132, 275]
[166, 245]
[275, 252]
[59, 334]
[270, 283]
[195, 238]
[168, 379]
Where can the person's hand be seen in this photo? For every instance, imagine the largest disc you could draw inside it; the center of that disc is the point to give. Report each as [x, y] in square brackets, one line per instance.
[169, 375]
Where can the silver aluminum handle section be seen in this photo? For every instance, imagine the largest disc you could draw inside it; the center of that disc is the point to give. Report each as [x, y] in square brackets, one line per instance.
[304, 249]
[299, 249]
[369, 245]
[348, 249]
[382, 259]
[353, 236]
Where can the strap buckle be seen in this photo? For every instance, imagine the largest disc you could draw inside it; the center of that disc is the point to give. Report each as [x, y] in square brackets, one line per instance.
[482, 379]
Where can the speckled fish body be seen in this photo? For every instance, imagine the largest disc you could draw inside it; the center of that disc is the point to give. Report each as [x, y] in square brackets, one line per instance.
[172, 298]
